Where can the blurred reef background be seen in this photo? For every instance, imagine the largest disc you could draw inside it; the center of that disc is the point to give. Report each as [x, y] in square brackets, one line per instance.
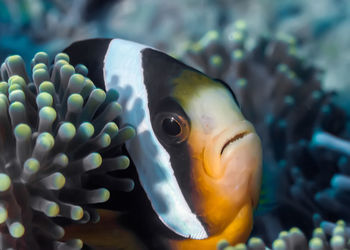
[288, 63]
[320, 28]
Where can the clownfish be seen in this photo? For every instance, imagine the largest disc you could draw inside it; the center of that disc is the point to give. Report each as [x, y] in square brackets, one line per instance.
[195, 158]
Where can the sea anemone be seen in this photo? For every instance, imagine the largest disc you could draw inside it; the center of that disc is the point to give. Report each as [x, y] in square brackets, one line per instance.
[304, 137]
[53, 130]
[329, 236]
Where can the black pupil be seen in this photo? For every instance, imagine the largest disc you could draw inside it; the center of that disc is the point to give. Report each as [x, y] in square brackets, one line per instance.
[171, 126]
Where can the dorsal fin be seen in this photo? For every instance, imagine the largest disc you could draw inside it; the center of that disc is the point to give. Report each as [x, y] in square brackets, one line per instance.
[91, 53]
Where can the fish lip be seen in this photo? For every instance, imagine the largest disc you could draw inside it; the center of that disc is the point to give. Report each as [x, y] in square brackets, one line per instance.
[218, 148]
[239, 136]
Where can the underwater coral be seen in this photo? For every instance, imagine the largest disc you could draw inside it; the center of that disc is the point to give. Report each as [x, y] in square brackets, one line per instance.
[55, 124]
[331, 236]
[320, 27]
[48, 25]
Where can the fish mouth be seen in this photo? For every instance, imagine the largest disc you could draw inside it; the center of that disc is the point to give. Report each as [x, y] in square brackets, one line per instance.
[234, 140]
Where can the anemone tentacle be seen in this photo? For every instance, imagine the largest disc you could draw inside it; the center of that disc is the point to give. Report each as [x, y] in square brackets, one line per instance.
[328, 236]
[54, 127]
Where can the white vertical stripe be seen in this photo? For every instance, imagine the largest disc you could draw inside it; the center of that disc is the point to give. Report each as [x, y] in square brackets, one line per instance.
[123, 71]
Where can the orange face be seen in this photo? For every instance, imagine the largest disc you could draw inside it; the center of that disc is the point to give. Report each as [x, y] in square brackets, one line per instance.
[225, 155]
[226, 159]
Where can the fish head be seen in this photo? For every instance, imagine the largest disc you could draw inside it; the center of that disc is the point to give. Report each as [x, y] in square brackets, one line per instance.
[224, 151]
[197, 158]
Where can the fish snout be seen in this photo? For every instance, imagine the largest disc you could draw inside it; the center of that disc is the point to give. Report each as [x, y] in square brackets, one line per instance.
[232, 144]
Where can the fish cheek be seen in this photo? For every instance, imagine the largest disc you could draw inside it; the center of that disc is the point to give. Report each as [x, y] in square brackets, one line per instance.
[204, 196]
[217, 201]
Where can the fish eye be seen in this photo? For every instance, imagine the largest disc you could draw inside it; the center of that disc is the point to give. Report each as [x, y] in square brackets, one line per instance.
[173, 128]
